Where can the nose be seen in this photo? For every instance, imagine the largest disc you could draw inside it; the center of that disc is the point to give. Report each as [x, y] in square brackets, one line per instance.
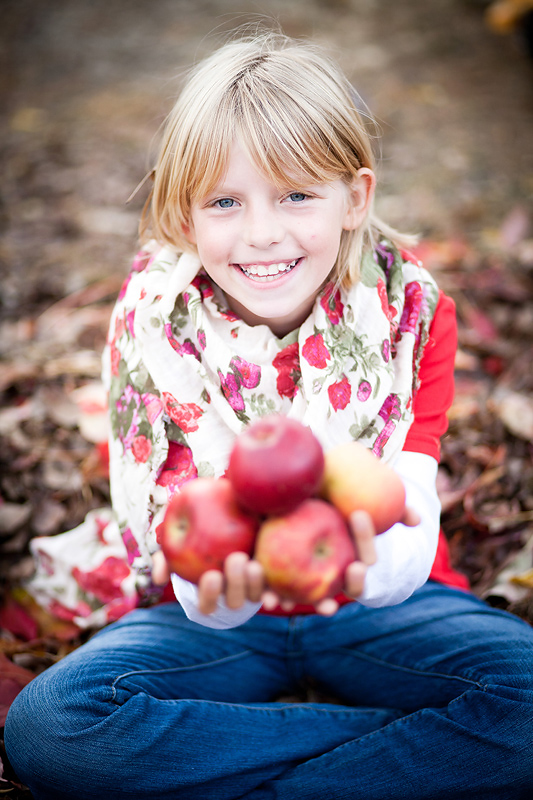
[263, 226]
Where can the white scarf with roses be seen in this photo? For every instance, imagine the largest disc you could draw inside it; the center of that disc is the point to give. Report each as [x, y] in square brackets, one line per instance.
[349, 372]
[185, 375]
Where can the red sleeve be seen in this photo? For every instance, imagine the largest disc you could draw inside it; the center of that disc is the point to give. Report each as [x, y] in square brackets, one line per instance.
[431, 405]
[436, 389]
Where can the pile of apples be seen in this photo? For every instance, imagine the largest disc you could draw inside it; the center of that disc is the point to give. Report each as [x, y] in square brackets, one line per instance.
[284, 502]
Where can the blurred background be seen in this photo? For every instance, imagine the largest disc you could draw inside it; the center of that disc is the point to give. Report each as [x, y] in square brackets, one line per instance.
[84, 88]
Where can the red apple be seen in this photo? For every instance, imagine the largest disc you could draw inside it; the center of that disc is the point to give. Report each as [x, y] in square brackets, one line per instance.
[202, 525]
[354, 478]
[275, 464]
[305, 553]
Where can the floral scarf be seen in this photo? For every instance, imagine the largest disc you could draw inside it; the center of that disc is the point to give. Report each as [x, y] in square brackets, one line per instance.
[185, 375]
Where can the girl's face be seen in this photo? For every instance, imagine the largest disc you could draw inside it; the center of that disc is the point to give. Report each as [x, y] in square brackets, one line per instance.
[271, 251]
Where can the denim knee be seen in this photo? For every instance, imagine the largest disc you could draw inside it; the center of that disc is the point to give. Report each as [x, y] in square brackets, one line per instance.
[43, 728]
[26, 731]
[502, 713]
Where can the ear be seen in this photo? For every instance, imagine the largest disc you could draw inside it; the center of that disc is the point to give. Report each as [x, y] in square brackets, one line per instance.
[361, 194]
[188, 231]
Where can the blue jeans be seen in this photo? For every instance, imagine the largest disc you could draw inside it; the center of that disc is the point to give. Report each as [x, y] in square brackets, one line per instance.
[435, 701]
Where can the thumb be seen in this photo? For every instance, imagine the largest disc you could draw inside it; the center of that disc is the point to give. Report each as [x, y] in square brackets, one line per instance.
[160, 570]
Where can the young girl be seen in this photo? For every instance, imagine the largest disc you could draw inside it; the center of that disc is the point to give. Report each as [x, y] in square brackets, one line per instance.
[267, 284]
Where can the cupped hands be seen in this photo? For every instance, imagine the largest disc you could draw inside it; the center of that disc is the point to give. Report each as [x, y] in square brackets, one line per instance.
[243, 578]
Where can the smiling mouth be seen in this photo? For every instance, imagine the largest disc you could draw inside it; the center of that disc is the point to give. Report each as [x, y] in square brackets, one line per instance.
[264, 274]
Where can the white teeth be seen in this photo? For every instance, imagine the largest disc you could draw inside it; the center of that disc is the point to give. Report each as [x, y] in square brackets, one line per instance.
[261, 271]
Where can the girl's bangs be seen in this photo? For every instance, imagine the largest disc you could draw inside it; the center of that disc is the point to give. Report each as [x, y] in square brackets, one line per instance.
[290, 138]
[279, 154]
[287, 156]
[207, 168]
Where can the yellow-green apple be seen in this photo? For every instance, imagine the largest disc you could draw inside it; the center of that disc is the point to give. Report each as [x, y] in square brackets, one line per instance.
[305, 553]
[202, 525]
[275, 464]
[354, 478]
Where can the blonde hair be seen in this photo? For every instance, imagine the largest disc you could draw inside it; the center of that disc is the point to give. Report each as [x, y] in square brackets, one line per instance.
[293, 111]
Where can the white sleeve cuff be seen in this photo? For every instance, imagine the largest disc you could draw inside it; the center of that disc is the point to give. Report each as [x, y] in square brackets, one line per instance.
[222, 618]
[405, 555]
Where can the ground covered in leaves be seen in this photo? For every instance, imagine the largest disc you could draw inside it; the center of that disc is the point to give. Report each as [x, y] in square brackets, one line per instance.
[85, 87]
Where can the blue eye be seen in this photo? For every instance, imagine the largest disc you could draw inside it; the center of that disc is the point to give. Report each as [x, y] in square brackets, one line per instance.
[297, 197]
[225, 202]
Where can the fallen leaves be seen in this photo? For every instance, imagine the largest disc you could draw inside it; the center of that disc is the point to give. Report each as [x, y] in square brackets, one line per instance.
[12, 679]
[23, 617]
[53, 467]
[486, 474]
[515, 410]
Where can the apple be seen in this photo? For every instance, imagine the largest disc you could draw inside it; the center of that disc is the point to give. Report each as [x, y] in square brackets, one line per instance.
[354, 478]
[202, 525]
[275, 464]
[305, 553]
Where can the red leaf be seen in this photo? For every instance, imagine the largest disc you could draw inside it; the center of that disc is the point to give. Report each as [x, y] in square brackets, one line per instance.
[17, 621]
[12, 680]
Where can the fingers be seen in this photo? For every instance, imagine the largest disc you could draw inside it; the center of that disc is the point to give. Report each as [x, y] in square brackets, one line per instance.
[236, 579]
[410, 517]
[160, 570]
[363, 532]
[255, 578]
[210, 588]
[271, 600]
[327, 607]
[241, 580]
[354, 579]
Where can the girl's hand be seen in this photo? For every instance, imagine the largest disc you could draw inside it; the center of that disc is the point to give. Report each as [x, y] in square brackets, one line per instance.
[364, 533]
[160, 570]
[243, 579]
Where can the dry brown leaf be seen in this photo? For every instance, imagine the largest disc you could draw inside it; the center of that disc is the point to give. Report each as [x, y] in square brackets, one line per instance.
[13, 516]
[515, 410]
[81, 363]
